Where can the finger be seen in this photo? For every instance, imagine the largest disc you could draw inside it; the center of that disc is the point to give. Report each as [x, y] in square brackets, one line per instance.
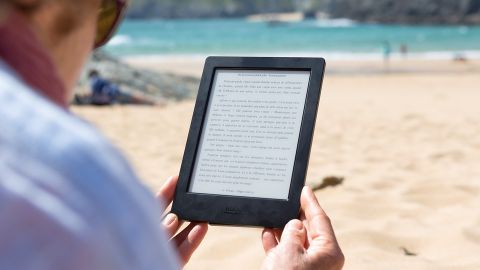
[294, 234]
[307, 227]
[171, 224]
[189, 239]
[269, 239]
[318, 222]
[165, 195]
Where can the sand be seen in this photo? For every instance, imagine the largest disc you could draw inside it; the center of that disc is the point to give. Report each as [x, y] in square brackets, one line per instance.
[406, 141]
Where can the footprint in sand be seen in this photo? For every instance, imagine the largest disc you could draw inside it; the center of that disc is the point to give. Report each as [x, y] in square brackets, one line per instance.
[437, 195]
[453, 155]
[472, 233]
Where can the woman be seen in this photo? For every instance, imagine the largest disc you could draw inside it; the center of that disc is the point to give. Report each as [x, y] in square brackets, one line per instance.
[68, 199]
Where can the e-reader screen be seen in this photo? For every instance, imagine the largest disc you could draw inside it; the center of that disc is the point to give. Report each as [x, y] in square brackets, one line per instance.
[250, 133]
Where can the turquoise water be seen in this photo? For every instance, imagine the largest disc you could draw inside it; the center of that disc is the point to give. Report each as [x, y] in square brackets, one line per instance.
[340, 38]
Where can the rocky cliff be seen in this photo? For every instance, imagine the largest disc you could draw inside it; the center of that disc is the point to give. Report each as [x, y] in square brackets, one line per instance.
[384, 11]
[407, 11]
[206, 8]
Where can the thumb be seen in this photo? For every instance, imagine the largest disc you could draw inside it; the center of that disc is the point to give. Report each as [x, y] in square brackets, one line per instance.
[294, 234]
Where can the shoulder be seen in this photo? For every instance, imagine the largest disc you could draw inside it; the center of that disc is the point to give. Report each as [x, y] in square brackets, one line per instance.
[65, 160]
[55, 139]
[39, 129]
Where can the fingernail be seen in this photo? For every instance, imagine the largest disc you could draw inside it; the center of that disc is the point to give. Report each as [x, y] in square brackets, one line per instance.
[169, 219]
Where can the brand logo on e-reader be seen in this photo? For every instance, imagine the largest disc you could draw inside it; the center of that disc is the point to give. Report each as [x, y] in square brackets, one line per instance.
[232, 210]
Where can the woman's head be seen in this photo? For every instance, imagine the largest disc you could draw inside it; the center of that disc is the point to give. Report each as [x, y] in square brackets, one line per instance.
[68, 29]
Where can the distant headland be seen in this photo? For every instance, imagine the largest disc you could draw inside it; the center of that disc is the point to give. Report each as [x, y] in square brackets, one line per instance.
[370, 11]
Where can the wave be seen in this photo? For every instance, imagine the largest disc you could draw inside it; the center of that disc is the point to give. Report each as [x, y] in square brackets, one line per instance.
[126, 41]
[120, 40]
[335, 23]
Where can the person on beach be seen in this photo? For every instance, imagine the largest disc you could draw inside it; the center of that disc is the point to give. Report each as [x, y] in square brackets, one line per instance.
[386, 51]
[103, 92]
[68, 198]
[404, 50]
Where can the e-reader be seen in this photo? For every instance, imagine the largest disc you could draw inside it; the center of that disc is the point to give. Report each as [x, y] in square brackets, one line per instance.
[248, 147]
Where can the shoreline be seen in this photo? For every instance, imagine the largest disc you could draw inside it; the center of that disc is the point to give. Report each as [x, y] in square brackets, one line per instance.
[335, 56]
[193, 66]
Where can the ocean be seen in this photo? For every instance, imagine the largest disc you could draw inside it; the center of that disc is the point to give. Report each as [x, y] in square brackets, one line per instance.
[335, 39]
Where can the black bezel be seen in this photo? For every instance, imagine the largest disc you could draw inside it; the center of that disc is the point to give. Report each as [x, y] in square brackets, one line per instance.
[233, 210]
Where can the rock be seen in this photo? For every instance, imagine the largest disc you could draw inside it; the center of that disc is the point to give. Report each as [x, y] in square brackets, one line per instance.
[408, 12]
[149, 85]
[407, 252]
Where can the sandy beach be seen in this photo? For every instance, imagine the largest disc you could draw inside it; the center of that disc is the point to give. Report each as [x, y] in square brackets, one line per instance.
[406, 139]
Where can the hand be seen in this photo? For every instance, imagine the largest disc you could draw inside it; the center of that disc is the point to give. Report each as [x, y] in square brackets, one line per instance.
[188, 240]
[308, 243]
